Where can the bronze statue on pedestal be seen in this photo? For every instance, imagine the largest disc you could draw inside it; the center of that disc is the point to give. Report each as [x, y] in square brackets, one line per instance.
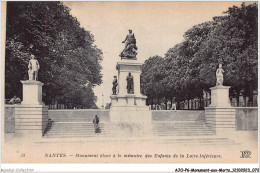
[130, 50]
[130, 84]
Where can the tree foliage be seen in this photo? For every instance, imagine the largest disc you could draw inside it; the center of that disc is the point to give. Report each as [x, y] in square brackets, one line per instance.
[69, 60]
[190, 66]
[151, 77]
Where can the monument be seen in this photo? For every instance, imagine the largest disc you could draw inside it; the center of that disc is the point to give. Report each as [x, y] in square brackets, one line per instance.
[128, 106]
[220, 115]
[31, 117]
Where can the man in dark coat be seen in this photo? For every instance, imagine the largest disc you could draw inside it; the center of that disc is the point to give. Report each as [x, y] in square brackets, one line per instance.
[96, 121]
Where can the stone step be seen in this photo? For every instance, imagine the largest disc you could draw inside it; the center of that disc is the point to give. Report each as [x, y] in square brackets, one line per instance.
[156, 127]
[128, 133]
[153, 132]
[171, 140]
[75, 124]
[171, 123]
[159, 129]
[125, 134]
[108, 123]
[155, 124]
[112, 130]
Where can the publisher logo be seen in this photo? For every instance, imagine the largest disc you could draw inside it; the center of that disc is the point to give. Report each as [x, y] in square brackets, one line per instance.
[245, 154]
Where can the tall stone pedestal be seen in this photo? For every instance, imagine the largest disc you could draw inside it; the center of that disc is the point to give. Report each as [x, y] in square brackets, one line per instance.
[220, 96]
[31, 117]
[220, 116]
[130, 110]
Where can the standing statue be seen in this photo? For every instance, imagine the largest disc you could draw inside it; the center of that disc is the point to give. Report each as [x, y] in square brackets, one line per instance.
[114, 85]
[130, 84]
[219, 75]
[33, 67]
[130, 50]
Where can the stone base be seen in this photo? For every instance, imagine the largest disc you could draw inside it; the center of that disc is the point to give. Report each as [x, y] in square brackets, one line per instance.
[128, 58]
[32, 92]
[137, 119]
[31, 119]
[220, 96]
[125, 67]
[129, 111]
[130, 114]
[129, 108]
[221, 119]
[132, 129]
[128, 100]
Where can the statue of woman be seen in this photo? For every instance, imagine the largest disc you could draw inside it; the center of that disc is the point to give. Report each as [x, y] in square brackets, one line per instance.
[219, 75]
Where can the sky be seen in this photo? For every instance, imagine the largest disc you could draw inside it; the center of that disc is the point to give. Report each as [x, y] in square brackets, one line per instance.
[157, 26]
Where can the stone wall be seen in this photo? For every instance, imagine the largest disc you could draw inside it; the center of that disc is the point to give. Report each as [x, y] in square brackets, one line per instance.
[87, 115]
[9, 125]
[246, 118]
[79, 115]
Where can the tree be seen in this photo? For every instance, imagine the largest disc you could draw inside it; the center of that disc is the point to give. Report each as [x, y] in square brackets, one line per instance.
[189, 67]
[70, 62]
[151, 75]
[233, 42]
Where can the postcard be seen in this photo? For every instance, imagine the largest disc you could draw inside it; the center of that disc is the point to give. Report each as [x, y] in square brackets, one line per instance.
[129, 82]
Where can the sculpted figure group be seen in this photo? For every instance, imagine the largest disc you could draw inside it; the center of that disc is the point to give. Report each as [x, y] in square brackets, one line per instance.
[130, 50]
[129, 87]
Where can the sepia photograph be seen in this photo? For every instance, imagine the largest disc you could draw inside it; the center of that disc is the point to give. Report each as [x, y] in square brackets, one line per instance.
[129, 82]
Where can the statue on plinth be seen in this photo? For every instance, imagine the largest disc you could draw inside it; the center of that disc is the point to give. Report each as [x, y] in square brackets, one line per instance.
[130, 50]
[130, 84]
[219, 75]
[33, 67]
[114, 85]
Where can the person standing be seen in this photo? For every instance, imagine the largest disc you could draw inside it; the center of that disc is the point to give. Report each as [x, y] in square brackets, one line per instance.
[169, 105]
[173, 106]
[96, 121]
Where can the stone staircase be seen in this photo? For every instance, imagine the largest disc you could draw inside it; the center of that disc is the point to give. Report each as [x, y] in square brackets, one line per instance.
[76, 130]
[168, 127]
[86, 129]
[181, 128]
